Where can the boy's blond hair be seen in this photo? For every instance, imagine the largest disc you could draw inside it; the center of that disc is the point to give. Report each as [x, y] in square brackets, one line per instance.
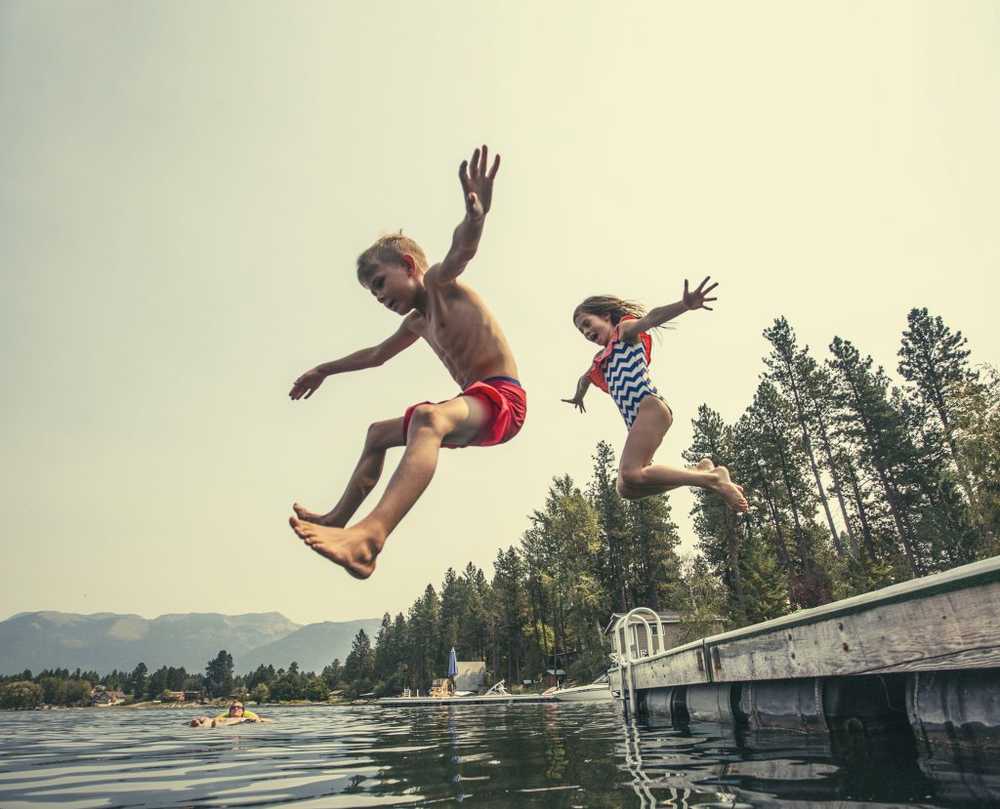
[389, 250]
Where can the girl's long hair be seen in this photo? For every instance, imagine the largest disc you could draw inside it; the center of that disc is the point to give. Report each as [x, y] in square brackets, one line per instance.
[616, 308]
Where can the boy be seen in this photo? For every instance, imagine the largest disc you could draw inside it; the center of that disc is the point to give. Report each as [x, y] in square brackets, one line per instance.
[453, 319]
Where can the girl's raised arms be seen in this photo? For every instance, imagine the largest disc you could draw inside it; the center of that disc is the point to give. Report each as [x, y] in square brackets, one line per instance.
[661, 314]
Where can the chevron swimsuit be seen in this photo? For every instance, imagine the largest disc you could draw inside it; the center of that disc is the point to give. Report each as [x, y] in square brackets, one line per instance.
[627, 376]
[621, 369]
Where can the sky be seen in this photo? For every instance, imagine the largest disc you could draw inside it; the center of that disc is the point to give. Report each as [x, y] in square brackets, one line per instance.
[185, 187]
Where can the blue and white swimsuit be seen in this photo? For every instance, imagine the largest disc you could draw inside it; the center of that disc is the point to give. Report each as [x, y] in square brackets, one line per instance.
[626, 372]
[622, 370]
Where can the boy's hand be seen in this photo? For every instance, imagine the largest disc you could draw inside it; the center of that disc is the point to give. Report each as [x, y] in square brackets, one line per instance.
[477, 183]
[697, 299]
[307, 384]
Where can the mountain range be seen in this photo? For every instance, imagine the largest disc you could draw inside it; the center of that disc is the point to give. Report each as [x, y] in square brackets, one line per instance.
[104, 641]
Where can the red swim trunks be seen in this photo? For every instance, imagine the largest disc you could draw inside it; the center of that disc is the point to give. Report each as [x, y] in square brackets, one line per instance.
[508, 405]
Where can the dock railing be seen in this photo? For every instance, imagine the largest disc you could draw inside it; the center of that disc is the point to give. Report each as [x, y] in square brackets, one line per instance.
[632, 651]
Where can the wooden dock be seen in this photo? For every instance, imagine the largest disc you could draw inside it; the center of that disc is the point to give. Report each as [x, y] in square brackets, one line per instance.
[932, 644]
[947, 621]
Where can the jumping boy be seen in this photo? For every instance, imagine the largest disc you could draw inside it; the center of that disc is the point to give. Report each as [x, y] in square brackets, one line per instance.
[456, 323]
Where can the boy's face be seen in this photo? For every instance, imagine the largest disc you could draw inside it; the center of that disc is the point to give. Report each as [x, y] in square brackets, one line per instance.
[395, 286]
[596, 328]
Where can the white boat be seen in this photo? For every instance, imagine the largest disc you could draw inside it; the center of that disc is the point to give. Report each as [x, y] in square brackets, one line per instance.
[597, 691]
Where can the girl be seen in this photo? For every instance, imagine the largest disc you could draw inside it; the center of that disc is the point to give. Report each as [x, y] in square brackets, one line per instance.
[621, 368]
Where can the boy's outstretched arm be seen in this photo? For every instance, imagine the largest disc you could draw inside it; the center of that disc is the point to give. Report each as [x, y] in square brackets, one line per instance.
[661, 314]
[477, 187]
[582, 386]
[306, 385]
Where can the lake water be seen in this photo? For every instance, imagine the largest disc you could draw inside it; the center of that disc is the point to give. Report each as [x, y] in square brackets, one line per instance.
[493, 756]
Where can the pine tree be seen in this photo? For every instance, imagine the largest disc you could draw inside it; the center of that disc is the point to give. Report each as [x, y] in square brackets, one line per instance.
[656, 573]
[714, 522]
[935, 361]
[612, 560]
[218, 676]
[359, 668]
[869, 422]
[790, 367]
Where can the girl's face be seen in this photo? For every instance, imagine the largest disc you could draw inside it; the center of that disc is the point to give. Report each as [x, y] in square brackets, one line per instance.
[596, 328]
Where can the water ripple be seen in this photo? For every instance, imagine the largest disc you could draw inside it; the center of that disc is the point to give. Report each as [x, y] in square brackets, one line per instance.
[498, 756]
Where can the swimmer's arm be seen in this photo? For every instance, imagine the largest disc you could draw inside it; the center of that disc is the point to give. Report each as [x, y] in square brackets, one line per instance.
[661, 314]
[306, 385]
[477, 189]
[582, 386]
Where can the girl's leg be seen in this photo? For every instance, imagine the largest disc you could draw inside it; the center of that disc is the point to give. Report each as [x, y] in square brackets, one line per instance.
[382, 435]
[637, 477]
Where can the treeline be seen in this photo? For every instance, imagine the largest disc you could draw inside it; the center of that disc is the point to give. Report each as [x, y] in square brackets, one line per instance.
[854, 483]
[78, 688]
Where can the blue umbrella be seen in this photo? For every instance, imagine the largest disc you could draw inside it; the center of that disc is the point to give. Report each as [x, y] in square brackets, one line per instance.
[452, 663]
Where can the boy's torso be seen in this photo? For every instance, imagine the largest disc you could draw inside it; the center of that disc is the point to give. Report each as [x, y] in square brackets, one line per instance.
[463, 332]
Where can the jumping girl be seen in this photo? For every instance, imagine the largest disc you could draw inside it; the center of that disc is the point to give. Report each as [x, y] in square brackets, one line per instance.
[621, 368]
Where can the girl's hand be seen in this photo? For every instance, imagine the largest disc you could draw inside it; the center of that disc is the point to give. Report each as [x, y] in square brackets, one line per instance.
[697, 299]
[577, 402]
[307, 384]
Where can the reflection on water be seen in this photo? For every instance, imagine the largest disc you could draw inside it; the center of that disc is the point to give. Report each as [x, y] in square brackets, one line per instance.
[495, 756]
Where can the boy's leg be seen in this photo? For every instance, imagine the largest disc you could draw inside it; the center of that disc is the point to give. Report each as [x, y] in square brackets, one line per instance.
[457, 421]
[382, 436]
[638, 478]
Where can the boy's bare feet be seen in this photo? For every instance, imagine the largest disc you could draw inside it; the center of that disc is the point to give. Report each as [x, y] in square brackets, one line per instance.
[354, 549]
[729, 491]
[331, 519]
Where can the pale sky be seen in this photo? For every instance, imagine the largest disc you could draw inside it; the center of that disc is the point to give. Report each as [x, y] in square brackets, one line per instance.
[185, 187]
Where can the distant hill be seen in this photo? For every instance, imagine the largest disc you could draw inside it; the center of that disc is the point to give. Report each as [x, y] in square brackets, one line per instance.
[105, 641]
[312, 647]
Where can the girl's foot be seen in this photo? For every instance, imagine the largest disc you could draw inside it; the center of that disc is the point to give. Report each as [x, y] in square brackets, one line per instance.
[354, 549]
[729, 491]
[331, 520]
[705, 465]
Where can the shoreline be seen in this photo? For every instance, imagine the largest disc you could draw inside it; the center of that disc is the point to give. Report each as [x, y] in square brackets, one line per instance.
[203, 706]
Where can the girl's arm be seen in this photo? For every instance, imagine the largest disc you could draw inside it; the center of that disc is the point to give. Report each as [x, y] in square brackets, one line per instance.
[581, 390]
[661, 314]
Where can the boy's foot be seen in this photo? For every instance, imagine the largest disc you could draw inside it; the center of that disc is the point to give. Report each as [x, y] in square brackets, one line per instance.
[329, 520]
[729, 491]
[354, 549]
